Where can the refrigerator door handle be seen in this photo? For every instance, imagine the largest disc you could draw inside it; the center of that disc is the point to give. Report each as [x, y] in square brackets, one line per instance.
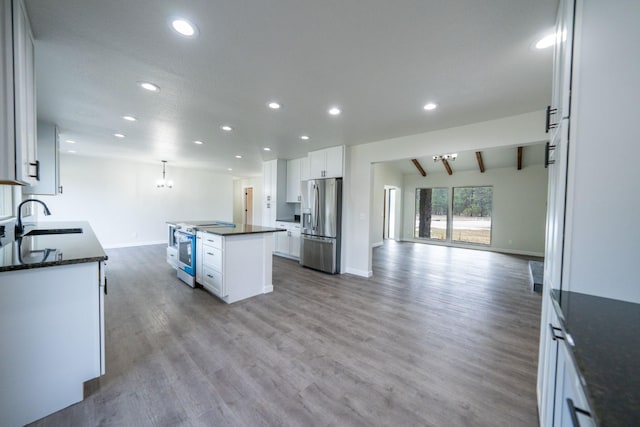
[316, 196]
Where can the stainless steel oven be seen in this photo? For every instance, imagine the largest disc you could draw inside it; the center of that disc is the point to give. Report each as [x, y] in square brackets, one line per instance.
[186, 240]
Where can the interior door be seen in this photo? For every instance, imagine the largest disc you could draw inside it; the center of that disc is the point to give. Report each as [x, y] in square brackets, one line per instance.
[248, 205]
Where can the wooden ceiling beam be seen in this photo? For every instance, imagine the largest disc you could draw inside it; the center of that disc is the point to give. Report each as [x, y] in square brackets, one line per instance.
[519, 158]
[480, 162]
[419, 167]
[447, 166]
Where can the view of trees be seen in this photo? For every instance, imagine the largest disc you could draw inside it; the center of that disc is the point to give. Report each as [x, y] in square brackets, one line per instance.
[431, 202]
[472, 201]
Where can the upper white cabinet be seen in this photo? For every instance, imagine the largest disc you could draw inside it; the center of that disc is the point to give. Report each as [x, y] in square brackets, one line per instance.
[327, 163]
[49, 160]
[274, 174]
[19, 164]
[294, 176]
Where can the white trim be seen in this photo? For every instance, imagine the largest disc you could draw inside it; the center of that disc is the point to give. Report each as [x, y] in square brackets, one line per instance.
[361, 273]
[375, 245]
[129, 245]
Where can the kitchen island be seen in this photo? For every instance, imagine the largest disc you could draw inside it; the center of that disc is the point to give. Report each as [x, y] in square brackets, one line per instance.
[52, 290]
[233, 261]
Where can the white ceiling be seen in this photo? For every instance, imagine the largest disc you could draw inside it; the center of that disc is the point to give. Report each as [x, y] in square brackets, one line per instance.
[379, 60]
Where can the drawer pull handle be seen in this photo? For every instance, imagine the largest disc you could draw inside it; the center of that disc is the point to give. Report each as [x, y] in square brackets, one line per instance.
[549, 125]
[573, 411]
[208, 275]
[553, 333]
[209, 253]
[547, 154]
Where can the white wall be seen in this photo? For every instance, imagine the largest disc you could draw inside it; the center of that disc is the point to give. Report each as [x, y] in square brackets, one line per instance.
[519, 205]
[123, 205]
[515, 130]
[384, 176]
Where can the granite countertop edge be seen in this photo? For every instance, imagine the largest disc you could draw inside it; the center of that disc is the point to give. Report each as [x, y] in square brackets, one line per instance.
[87, 249]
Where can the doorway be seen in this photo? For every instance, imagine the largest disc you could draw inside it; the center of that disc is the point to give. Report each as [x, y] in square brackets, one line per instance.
[248, 205]
[389, 213]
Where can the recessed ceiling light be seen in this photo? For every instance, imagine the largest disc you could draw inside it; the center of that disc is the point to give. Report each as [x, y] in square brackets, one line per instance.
[184, 27]
[238, 156]
[118, 135]
[71, 151]
[70, 141]
[267, 149]
[198, 142]
[305, 137]
[546, 41]
[274, 105]
[334, 111]
[430, 106]
[229, 169]
[129, 118]
[149, 86]
[226, 128]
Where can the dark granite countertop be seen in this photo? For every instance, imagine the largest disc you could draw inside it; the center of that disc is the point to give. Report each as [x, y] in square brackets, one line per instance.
[606, 334]
[196, 223]
[239, 229]
[53, 249]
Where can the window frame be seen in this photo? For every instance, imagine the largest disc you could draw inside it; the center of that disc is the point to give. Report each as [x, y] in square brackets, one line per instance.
[451, 237]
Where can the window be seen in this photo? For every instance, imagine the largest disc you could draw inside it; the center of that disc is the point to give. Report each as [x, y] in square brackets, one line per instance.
[6, 201]
[472, 215]
[431, 213]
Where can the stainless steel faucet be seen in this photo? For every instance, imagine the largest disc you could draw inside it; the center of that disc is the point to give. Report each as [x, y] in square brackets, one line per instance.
[19, 226]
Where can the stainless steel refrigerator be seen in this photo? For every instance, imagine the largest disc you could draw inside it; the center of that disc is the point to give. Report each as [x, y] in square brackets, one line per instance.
[321, 224]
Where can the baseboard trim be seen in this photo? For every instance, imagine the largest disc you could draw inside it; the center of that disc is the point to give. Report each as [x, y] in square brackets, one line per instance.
[130, 245]
[479, 248]
[358, 272]
[375, 245]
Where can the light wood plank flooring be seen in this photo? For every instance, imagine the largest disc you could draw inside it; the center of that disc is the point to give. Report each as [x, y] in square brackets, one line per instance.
[437, 337]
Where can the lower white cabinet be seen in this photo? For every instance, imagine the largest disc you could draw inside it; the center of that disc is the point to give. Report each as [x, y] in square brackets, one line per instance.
[199, 264]
[570, 402]
[172, 256]
[236, 266]
[287, 243]
[53, 335]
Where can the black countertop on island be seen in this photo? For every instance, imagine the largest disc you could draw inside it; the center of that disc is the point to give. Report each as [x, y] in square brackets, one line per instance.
[239, 229]
[606, 334]
[51, 249]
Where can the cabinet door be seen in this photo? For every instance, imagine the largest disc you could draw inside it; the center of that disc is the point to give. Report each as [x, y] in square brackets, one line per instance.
[7, 135]
[569, 393]
[294, 241]
[304, 169]
[293, 181]
[24, 90]
[48, 156]
[334, 159]
[199, 263]
[562, 60]
[281, 240]
[317, 163]
[547, 361]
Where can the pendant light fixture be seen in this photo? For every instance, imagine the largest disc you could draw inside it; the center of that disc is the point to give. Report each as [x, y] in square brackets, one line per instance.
[164, 183]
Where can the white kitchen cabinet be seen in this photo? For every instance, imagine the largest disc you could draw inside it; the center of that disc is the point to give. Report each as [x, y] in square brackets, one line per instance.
[238, 266]
[18, 163]
[294, 177]
[53, 318]
[172, 256]
[326, 163]
[275, 192]
[594, 96]
[49, 160]
[199, 264]
[304, 168]
[287, 243]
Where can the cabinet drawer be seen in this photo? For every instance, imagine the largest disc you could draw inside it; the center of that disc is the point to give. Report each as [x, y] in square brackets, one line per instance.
[212, 258]
[212, 281]
[212, 240]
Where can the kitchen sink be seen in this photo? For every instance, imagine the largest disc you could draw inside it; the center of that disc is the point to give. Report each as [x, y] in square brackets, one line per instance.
[47, 231]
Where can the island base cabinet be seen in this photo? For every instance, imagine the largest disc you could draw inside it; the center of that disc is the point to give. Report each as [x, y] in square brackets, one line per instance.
[52, 335]
[239, 267]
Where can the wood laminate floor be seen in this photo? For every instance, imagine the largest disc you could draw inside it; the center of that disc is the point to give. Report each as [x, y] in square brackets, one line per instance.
[438, 336]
